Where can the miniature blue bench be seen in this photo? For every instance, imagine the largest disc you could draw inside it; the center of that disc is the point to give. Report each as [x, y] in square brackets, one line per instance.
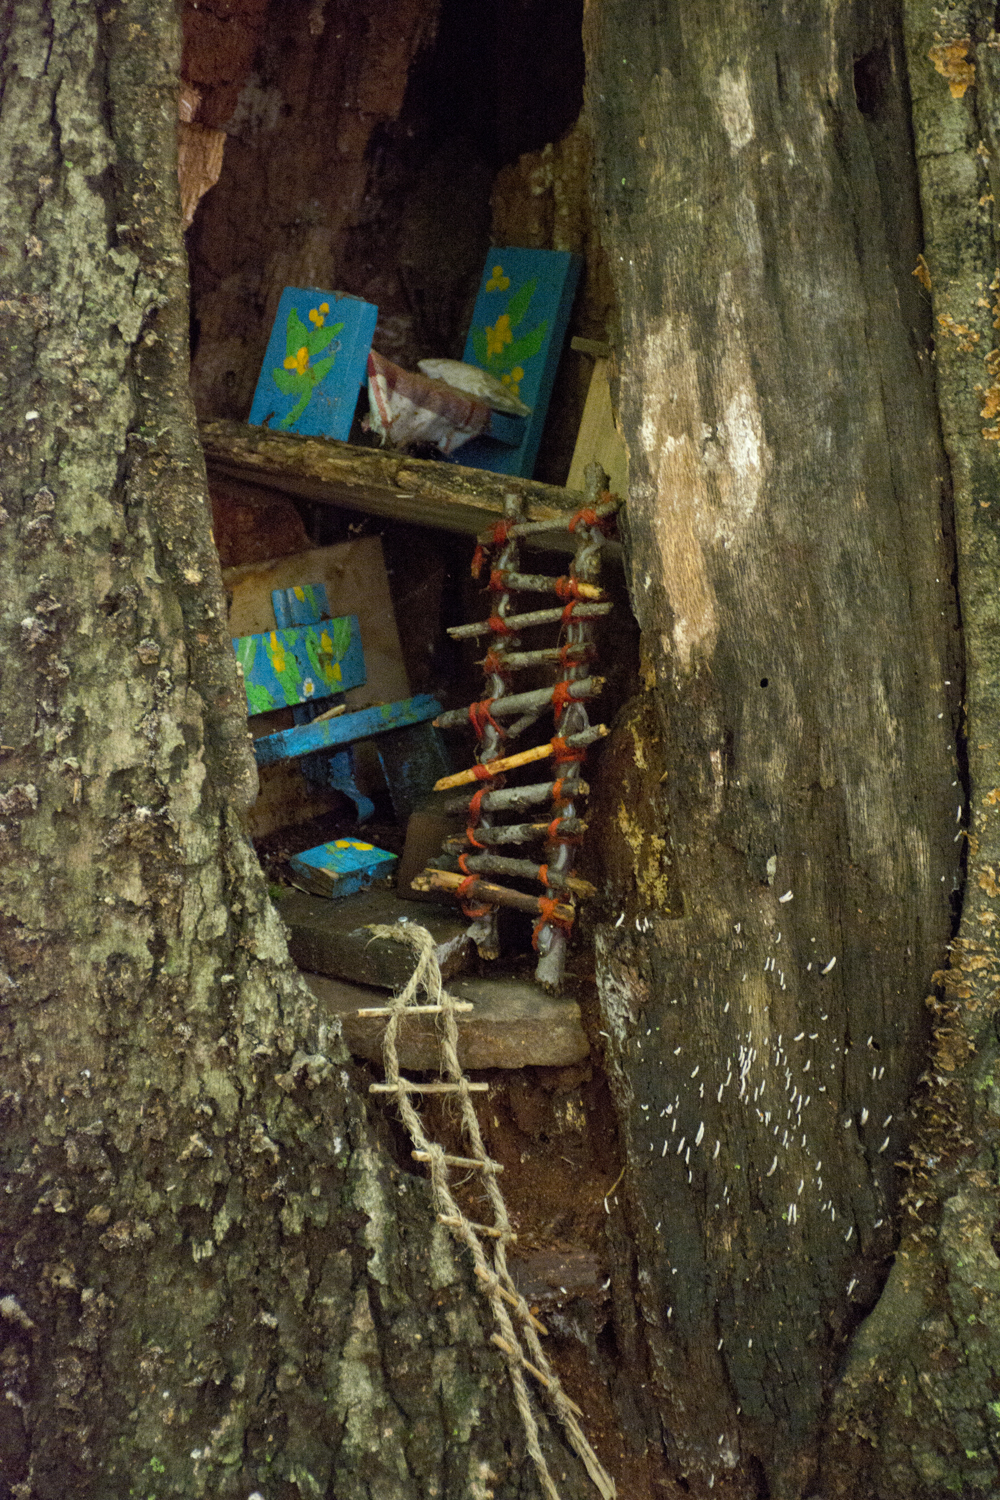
[307, 663]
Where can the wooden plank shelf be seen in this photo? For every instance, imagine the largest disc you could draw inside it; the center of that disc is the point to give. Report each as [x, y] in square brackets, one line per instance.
[382, 483]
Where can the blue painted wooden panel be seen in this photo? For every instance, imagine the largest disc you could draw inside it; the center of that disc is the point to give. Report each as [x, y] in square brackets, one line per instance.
[517, 333]
[322, 733]
[307, 604]
[315, 363]
[303, 604]
[285, 667]
[341, 867]
[412, 760]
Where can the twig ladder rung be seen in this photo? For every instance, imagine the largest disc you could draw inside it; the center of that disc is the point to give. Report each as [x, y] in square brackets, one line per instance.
[514, 798]
[515, 833]
[490, 1230]
[428, 1088]
[513, 1353]
[522, 758]
[413, 1010]
[485, 890]
[584, 687]
[518, 1303]
[460, 1161]
[535, 528]
[522, 622]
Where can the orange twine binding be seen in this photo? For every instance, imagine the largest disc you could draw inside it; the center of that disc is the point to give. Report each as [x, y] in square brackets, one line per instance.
[547, 906]
[480, 716]
[562, 697]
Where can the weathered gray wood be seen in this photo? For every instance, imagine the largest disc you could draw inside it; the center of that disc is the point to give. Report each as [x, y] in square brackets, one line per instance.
[921, 1371]
[783, 795]
[419, 490]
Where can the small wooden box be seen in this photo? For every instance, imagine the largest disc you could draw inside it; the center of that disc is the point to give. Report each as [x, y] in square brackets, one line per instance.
[342, 867]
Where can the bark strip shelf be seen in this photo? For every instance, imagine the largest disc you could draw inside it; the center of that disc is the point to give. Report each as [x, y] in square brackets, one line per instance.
[417, 490]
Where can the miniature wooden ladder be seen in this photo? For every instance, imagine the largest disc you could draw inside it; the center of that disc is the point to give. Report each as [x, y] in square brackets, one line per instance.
[573, 733]
[492, 1273]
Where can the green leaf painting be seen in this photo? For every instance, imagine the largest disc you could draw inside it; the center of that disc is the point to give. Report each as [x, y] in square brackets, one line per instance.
[521, 301]
[259, 700]
[342, 631]
[502, 351]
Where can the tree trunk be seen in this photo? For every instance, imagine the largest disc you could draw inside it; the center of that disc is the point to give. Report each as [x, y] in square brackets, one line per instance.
[921, 1385]
[781, 850]
[213, 1278]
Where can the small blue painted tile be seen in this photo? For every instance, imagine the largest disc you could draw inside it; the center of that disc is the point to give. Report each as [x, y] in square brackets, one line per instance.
[315, 363]
[341, 867]
[517, 333]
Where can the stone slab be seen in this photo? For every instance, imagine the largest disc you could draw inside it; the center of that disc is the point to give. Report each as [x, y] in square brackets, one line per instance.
[513, 1025]
[332, 937]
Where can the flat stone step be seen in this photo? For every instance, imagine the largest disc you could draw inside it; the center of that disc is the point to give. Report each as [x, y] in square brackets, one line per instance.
[332, 937]
[514, 1024]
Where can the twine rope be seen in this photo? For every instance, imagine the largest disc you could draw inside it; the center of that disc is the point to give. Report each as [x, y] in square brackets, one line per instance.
[492, 1278]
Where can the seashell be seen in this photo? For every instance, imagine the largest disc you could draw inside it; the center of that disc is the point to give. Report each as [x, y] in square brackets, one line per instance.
[475, 382]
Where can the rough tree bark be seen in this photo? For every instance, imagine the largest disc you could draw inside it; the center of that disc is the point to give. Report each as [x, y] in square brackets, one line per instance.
[213, 1278]
[782, 854]
[922, 1383]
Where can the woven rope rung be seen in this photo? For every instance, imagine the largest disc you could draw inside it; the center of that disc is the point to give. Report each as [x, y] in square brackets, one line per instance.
[515, 1353]
[464, 1087]
[496, 1279]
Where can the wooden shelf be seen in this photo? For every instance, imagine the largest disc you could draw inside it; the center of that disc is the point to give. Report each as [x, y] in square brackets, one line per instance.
[417, 490]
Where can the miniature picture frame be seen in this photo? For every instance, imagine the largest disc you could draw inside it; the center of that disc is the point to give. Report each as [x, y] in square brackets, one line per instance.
[517, 333]
[315, 363]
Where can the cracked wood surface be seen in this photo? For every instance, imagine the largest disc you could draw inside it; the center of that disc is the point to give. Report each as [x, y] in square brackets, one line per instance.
[418, 490]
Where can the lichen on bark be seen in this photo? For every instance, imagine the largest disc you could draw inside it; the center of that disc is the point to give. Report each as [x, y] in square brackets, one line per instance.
[213, 1277]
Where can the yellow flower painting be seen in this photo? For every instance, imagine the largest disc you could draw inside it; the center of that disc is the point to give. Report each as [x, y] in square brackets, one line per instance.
[512, 380]
[299, 361]
[498, 336]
